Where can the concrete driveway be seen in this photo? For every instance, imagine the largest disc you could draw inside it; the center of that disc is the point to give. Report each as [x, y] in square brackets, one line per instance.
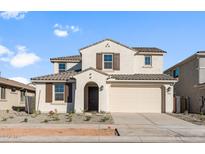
[153, 127]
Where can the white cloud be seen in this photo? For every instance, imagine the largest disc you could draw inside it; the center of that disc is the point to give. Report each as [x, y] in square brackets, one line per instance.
[4, 50]
[23, 58]
[60, 33]
[64, 31]
[20, 79]
[13, 14]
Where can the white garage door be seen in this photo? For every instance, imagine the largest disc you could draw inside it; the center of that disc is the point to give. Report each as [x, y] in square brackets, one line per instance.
[135, 99]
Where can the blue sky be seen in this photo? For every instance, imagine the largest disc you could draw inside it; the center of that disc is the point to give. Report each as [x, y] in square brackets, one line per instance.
[29, 39]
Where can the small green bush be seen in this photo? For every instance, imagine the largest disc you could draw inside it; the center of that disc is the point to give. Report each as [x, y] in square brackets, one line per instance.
[104, 118]
[87, 118]
[4, 119]
[45, 121]
[25, 120]
[7, 111]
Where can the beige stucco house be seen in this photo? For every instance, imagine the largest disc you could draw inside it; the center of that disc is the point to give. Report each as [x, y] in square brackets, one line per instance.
[107, 76]
[12, 93]
[190, 73]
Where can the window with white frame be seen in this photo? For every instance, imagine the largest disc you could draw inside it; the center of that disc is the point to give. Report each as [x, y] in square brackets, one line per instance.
[62, 67]
[148, 60]
[59, 92]
[3, 93]
[108, 61]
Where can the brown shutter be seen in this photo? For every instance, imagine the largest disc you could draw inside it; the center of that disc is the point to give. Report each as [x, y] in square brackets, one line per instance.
[99, 61]
[68, 93]
[49, 92]
[116, 61]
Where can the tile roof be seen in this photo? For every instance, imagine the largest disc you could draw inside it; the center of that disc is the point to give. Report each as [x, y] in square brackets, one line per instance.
[71, 59]
[141, 77]
[58, 76]
[12, 83]
[148, 49]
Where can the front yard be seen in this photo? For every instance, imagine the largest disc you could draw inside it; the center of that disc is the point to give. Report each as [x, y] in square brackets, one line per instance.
[197, 119]
[53, 117]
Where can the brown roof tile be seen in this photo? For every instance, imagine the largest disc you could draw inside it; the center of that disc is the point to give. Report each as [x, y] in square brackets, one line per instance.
[12, 83]
[141, 77]
[71, 59]
[63, 76]
[148, 49]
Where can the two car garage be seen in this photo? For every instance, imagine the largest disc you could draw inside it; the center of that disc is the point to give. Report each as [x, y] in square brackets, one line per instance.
[140, 99]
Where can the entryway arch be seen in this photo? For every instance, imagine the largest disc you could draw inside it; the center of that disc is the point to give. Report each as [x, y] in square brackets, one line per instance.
[91, 97]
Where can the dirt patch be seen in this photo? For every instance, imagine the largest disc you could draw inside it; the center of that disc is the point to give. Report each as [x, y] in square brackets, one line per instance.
[197, 119]
[17, 132]
[13, 117]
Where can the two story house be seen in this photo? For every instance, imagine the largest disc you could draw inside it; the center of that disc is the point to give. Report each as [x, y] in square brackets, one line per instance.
[191, 80]
[107, 76]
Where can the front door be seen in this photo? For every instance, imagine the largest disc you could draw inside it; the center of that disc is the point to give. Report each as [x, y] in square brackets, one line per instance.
[93, 98]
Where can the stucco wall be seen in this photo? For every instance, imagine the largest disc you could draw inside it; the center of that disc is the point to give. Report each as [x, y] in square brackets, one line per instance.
[81, 81]
[156, 68]
[12, 99]
[60, 106]
[129, 62]
[188, 78]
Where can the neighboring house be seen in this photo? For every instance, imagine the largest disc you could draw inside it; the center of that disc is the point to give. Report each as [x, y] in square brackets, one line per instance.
[12, 93]
[107, 76]
[191, 79]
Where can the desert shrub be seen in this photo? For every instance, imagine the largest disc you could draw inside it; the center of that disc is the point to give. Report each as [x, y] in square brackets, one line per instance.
[51, 113]
[104, 118]
[7, 111]
[11, 117]
[25, 120]
[87, 118]
[45, 121]
[69, 119]
[4, 119]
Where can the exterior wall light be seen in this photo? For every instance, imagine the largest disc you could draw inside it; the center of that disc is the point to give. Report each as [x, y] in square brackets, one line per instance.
[101, 88]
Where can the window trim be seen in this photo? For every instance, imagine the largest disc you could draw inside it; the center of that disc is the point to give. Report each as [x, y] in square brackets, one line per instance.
[150, 60]
[61, 70]
[111, 54]
[59, 92]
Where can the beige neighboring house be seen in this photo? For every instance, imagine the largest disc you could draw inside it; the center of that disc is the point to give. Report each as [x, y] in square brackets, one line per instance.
[107, 76]
[12, 93]
[190, 73]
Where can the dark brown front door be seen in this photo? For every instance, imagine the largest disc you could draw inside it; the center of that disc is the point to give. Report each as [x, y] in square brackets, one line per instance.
[93, 98]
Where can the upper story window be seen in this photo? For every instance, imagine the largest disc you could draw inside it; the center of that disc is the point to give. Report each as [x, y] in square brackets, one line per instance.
[176, 73]
[62, 67]
[3, 93]
[59, 92]
[148, 60]
[108, 61]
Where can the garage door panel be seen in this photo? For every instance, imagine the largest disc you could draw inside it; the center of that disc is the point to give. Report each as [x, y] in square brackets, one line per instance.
[138, 99]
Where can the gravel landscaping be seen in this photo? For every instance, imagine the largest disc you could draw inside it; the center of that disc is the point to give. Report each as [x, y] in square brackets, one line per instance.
[53, 117]
[197, 119]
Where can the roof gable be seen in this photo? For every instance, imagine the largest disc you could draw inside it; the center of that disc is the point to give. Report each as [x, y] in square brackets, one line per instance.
[107, 40]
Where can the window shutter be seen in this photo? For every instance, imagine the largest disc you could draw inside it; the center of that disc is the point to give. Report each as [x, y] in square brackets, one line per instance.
[49, 92]
[99, 61]
[116, 61]
[68, 93]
